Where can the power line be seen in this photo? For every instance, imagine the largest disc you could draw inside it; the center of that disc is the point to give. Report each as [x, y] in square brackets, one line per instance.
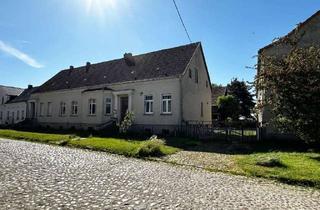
[184, 26]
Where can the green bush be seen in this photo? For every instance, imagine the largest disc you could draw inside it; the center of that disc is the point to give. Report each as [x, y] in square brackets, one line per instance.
[270, 162]
[151, 148]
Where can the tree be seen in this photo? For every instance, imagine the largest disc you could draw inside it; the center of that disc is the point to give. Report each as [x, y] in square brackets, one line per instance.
[292, 82]
[241, 91]
[228, 106]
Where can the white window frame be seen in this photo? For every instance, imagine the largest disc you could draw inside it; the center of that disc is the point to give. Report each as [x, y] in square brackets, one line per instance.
[108, 103]
[146, 102]
[63, 108]
[74, 108]
[49, 109]
[166, 105]
[92, 103]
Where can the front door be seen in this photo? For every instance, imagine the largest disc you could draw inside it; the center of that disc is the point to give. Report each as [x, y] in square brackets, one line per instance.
[123, 107]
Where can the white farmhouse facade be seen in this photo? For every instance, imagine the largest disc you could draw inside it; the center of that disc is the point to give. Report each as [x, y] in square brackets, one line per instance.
[164, 88]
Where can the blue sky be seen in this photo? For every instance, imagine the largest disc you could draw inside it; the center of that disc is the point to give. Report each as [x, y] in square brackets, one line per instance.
[38, 38]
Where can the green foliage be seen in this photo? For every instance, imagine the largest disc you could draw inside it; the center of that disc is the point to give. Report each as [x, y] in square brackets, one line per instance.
[295, 168]
[241, 91]
[228, 107]
[293, 91]
[151, 148]
[38, 137]
[130, 148]
[127, 122]
[270, 162]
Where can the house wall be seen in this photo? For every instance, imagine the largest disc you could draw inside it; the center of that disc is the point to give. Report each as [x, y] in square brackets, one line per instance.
[84, 120]
[193, 94]
[13, 113]
[309, 35]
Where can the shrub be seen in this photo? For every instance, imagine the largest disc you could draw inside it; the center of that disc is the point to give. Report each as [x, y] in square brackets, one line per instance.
[270, 162]
[127, 122]
[151, 148]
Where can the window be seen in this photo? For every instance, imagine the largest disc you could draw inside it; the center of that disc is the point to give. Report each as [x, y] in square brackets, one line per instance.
[12, 113]
[22, 115]
[1, 115]
[196, 75]
[92, 106]
[108, 105]
[18, 115]
[148, 104]
[49, 110]
[62, 108]
[2, 100]
[41, 109]
[190, 73]
[74, 108]
[201, 109]
[166, 104]
[8, 115]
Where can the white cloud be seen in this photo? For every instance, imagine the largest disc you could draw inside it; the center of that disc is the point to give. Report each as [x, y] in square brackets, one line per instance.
[19, 55]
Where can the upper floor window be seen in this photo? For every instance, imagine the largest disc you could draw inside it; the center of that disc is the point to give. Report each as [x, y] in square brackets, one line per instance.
[41, 109]
[207, 84]
[148, 104]
[108, 105]
[63, 108]
[92, 106]
[190, 73]
[2, 100]
[74, 108]
[49, 110]
[166, 104]
[196, 75]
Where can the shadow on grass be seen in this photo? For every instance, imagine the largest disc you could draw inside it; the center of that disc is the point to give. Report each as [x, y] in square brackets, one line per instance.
[238, 147]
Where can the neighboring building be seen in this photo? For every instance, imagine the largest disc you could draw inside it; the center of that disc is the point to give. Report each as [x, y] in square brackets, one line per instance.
[217, 91]
[17, 109]
[6, 94]
[307, 34]
[164, 88]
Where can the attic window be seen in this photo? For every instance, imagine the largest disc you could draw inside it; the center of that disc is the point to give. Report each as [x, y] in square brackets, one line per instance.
[132, 72]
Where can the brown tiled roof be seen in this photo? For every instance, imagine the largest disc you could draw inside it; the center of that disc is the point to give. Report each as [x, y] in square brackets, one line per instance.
[24, 96]
[291, 32]
[216, 92]
[159, 64]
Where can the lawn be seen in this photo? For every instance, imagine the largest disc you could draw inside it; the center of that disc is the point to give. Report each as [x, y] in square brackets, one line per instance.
[287, 162]
[130, 148]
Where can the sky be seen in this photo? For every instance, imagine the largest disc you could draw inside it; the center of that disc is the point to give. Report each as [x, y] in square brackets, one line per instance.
[38, 38]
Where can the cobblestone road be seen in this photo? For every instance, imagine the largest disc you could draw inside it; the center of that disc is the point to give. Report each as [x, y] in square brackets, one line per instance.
[37, 176]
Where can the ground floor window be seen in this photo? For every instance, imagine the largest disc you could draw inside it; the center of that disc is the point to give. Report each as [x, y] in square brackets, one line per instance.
[92, 106]
[108, 106]
[74, 108]
[201, 108]
[49, 110]
[148, 104]
[166, 104]
[18, 115]
[0, 115]
[41, 109]
[22, 115]
[63, 108]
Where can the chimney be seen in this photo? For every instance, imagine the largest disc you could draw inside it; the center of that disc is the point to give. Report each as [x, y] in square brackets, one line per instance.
[70, 69]
[88, 66]
[129, 59]
[29, 87]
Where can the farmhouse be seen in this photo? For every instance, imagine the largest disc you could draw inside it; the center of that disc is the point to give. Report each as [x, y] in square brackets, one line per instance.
[7, 94]
[163, 89]
[306, 34]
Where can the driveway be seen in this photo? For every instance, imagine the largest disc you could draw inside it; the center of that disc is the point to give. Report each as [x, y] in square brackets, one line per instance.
[38, 176]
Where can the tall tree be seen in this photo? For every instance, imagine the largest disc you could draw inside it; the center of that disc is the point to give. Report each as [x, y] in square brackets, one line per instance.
[241, 91]
[228, 107]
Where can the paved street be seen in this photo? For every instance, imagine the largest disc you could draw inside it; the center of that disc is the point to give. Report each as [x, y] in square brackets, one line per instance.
[36, 176]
